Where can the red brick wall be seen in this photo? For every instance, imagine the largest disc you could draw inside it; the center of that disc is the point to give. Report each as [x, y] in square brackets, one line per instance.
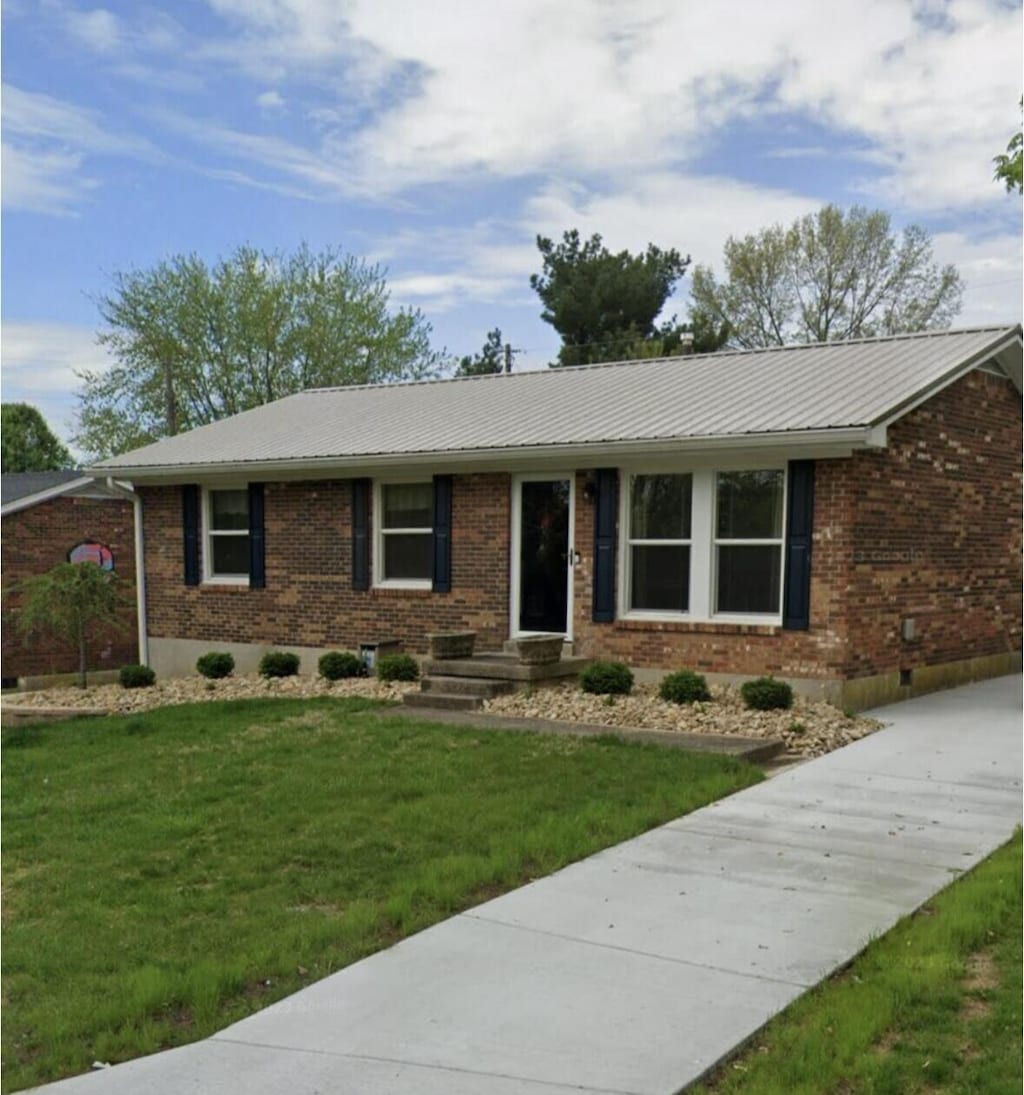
[308, 599]
[37, 539]
[937, 532]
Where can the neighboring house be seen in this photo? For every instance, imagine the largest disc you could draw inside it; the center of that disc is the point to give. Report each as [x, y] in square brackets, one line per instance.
[843, 515]
[51, 517]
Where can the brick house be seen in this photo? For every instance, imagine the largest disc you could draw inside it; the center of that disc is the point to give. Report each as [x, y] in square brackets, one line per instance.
[53, 517]
[845, 515]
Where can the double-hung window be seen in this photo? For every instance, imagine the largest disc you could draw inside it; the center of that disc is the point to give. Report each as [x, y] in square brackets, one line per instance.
[659, 542]
[405, 543]
[748, 540]
[704, 544]
[226, 547]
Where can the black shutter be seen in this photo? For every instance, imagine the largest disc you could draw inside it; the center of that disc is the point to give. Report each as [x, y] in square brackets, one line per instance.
[796, 599]
[605, 513]
[442, 534]
[257, 554]
[360, 533]
[190, 527]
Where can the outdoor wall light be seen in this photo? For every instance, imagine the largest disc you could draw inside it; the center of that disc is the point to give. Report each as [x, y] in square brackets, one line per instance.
[590, 487]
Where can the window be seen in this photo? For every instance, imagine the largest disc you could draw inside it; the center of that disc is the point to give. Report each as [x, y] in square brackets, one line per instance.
[227, 535]
[659, 542]
[405, 533]
[703, 544]
[748, 541]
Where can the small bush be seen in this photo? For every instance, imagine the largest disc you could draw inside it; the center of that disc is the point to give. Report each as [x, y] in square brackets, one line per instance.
[607, 679]
[136, 676]
[767, 694]
[215, 665]
[339, 664]
[684, 687]
[278, 663]
[397, 667]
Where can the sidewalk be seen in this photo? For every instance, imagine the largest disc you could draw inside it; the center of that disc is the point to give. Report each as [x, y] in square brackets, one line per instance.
[637, 969]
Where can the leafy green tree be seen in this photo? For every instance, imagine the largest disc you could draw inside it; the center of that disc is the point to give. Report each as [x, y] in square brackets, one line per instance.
[193, 343]
[27, 443]
[490, 359]
[1010, 165]
[830, 275]
[73, 601]
[605, 305]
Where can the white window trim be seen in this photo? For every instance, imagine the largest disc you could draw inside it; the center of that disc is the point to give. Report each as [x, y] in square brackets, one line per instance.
[703, 544]
[209, 578]
[379, 533]
[632, 542]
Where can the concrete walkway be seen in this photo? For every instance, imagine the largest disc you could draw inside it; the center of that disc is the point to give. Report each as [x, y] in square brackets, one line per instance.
[638, 969]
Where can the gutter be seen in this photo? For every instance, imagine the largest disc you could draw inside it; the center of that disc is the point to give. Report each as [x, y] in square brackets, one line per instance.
[124, 490]
[820, 442]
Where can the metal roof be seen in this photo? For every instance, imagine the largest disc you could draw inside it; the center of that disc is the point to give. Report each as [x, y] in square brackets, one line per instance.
[817, 389]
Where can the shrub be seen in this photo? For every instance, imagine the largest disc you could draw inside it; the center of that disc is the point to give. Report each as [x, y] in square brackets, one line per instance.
[397, 667]
[339, 664]
[607, 679]
[215, 665]
[767, 694]
[684, 687]
[279, 663]
[136, 676]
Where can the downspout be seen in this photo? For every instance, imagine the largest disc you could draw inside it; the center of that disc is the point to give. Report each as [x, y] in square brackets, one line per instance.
[126, 491]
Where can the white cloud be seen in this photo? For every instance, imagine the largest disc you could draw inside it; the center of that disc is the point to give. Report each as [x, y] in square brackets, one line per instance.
[992, 271]
[43, 181]
[270, 101]
[46, 145]
[597, 90]
[39, 365]
[99, 29]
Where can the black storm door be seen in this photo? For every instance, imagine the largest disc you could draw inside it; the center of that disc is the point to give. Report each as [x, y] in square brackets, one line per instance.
[544, 555]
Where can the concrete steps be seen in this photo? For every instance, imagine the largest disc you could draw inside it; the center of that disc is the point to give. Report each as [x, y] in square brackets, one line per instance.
[463, 684]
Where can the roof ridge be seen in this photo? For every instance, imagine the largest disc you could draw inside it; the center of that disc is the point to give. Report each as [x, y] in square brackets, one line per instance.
[678, 358]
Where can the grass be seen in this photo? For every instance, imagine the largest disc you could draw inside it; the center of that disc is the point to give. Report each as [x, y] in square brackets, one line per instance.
[933, 1006]
[168, 873]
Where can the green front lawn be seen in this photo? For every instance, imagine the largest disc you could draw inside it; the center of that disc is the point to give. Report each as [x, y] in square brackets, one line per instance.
[933, 1006]
[168, 873]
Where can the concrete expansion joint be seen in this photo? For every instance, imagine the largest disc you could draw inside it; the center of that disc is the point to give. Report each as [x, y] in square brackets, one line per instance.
[432, 1065]
[809, 850]
[639, 953]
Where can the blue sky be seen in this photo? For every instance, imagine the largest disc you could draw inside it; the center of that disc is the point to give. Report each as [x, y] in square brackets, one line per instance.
[439, 139]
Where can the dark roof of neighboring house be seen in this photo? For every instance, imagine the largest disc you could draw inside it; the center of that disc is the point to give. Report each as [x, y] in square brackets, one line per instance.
[22, 484]
[833, 392]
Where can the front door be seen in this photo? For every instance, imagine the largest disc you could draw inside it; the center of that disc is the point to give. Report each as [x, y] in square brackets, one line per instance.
[544, 565]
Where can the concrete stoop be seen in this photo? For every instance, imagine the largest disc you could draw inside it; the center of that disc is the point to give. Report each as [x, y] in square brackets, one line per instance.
[463, 684]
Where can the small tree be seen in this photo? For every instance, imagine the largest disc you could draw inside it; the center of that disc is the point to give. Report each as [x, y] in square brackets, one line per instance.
[1010, 164]
[491, 359]
[71, 601]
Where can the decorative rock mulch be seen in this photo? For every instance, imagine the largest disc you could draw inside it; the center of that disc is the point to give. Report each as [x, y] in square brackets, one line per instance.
[118, 700]
[809, 728]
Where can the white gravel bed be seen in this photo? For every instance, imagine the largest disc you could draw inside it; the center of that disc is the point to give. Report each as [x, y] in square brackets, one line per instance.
[112, 697]
[809, 728]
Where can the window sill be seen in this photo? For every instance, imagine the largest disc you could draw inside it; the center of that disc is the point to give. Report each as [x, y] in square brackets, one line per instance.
[717, 625]
[239, 582]
[411, 583]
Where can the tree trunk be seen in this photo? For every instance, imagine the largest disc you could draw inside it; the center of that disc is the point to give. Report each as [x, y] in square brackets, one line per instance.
[82, 683]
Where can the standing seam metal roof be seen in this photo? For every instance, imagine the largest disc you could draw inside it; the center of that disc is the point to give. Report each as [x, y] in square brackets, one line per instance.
[822, 386]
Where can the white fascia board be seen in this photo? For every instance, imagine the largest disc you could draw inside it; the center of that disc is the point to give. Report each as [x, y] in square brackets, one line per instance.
[70, 487]
[808, 444]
